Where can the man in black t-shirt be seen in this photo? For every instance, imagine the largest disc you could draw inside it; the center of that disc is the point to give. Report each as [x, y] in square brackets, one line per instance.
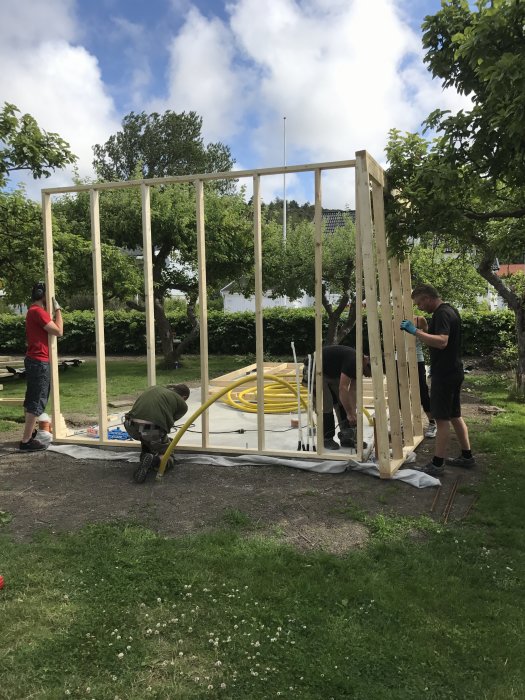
[339, 393]
[446, 376]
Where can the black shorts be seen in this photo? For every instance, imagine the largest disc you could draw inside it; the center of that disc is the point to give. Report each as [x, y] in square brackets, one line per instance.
[38, 385]
[445, 396]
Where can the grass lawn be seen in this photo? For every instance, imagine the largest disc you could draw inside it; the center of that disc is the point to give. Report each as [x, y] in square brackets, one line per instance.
[78, 386]
[115, 611]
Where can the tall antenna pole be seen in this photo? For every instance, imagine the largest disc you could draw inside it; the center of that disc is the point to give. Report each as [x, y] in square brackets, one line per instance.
[284, 180]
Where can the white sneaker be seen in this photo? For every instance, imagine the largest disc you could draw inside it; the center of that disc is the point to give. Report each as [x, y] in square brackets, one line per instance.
[431, 430]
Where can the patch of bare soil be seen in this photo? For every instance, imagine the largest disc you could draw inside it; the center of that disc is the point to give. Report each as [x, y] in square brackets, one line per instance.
[310, 511]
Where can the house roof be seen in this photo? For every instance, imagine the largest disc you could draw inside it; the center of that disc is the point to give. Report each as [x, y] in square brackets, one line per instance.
[506, 269]
[336, 218]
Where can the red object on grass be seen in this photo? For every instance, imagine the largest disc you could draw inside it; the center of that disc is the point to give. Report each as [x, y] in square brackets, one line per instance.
[1, 582]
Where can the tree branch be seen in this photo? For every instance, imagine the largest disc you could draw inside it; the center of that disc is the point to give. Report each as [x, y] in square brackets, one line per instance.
[490, 215]
[486, 271]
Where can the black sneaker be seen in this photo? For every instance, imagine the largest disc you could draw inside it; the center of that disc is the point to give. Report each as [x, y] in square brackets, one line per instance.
[465, 462]
[432, 470]
[347, 437]
[331, 444]
[32, 446]
[141, 472]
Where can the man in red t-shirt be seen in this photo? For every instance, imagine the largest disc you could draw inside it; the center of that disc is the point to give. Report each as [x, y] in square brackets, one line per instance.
[39, 326]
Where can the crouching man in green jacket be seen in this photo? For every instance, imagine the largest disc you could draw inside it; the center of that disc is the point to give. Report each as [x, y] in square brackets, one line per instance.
[150, 420]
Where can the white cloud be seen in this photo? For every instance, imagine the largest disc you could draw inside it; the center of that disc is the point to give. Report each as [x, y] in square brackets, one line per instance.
[58, 83]
[202, 76]
[343, 72]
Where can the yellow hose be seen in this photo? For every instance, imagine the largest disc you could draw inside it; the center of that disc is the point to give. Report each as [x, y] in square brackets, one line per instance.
[275, 401]
[207, 404]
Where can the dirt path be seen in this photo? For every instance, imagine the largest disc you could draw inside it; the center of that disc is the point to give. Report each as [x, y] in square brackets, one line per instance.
[54, 492]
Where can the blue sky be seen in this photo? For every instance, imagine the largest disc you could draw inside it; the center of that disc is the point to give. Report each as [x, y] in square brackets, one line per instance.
[343, 72]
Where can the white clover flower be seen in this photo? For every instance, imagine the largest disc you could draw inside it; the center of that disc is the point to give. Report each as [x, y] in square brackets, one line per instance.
[181, 653]
[218, 663]
[159, 600]
[210, 687]
[223, 685]
[128, 647]
[113, 678]
[121, 655]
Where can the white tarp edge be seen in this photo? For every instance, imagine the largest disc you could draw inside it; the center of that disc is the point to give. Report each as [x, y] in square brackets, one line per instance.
[410, 476]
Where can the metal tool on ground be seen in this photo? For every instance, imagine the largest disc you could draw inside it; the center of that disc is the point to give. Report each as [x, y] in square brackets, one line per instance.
[300, 443]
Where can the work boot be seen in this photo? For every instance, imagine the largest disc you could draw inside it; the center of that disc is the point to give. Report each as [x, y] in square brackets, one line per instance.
[464, 462]
[32, 445]
[347, 437]
[432, 470]
[331, 444]
[141, 472]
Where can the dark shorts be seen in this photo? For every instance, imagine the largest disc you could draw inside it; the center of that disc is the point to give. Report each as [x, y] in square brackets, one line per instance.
[38, 385]
[445, 396]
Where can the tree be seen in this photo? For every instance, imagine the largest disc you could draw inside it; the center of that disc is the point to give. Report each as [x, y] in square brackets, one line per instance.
[154, 145]
[159, 145]
[467, 187]
[288, 269]
[25, 146]
[22, 255]
[453, 274]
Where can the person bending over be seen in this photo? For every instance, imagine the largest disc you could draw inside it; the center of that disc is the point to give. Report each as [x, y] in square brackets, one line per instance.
[150, 420]
[339, 394]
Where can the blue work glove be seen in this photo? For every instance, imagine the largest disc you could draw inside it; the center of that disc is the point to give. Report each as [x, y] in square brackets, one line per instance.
[408, 326]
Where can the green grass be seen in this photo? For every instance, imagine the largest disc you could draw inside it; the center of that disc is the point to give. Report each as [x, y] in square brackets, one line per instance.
[125, 613]
[78, 386]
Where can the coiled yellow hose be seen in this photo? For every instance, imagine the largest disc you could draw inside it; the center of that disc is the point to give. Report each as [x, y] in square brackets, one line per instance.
[275, 399]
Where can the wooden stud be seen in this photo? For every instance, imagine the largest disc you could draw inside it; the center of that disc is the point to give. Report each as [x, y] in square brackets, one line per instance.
[359, 331]
[408, 305]
[231, 174]
[50, 293]
[259, 337]
[99, 315]
[402, 364]
[318, 277]
[386, 321]
[370, 279]
[147, 251]
[203, 307]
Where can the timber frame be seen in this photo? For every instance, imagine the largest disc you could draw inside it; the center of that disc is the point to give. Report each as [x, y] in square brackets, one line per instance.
[384, 283]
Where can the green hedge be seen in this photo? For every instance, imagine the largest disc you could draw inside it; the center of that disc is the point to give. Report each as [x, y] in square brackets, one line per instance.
[229, 333]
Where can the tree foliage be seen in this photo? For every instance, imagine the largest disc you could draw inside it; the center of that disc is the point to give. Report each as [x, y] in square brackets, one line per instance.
[466, 188]
[454, 275]
[159, 145]
[22, 255]
[288, 269]
[25, 146]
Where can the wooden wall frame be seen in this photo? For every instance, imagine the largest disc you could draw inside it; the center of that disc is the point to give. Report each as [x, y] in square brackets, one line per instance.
[384, 281]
